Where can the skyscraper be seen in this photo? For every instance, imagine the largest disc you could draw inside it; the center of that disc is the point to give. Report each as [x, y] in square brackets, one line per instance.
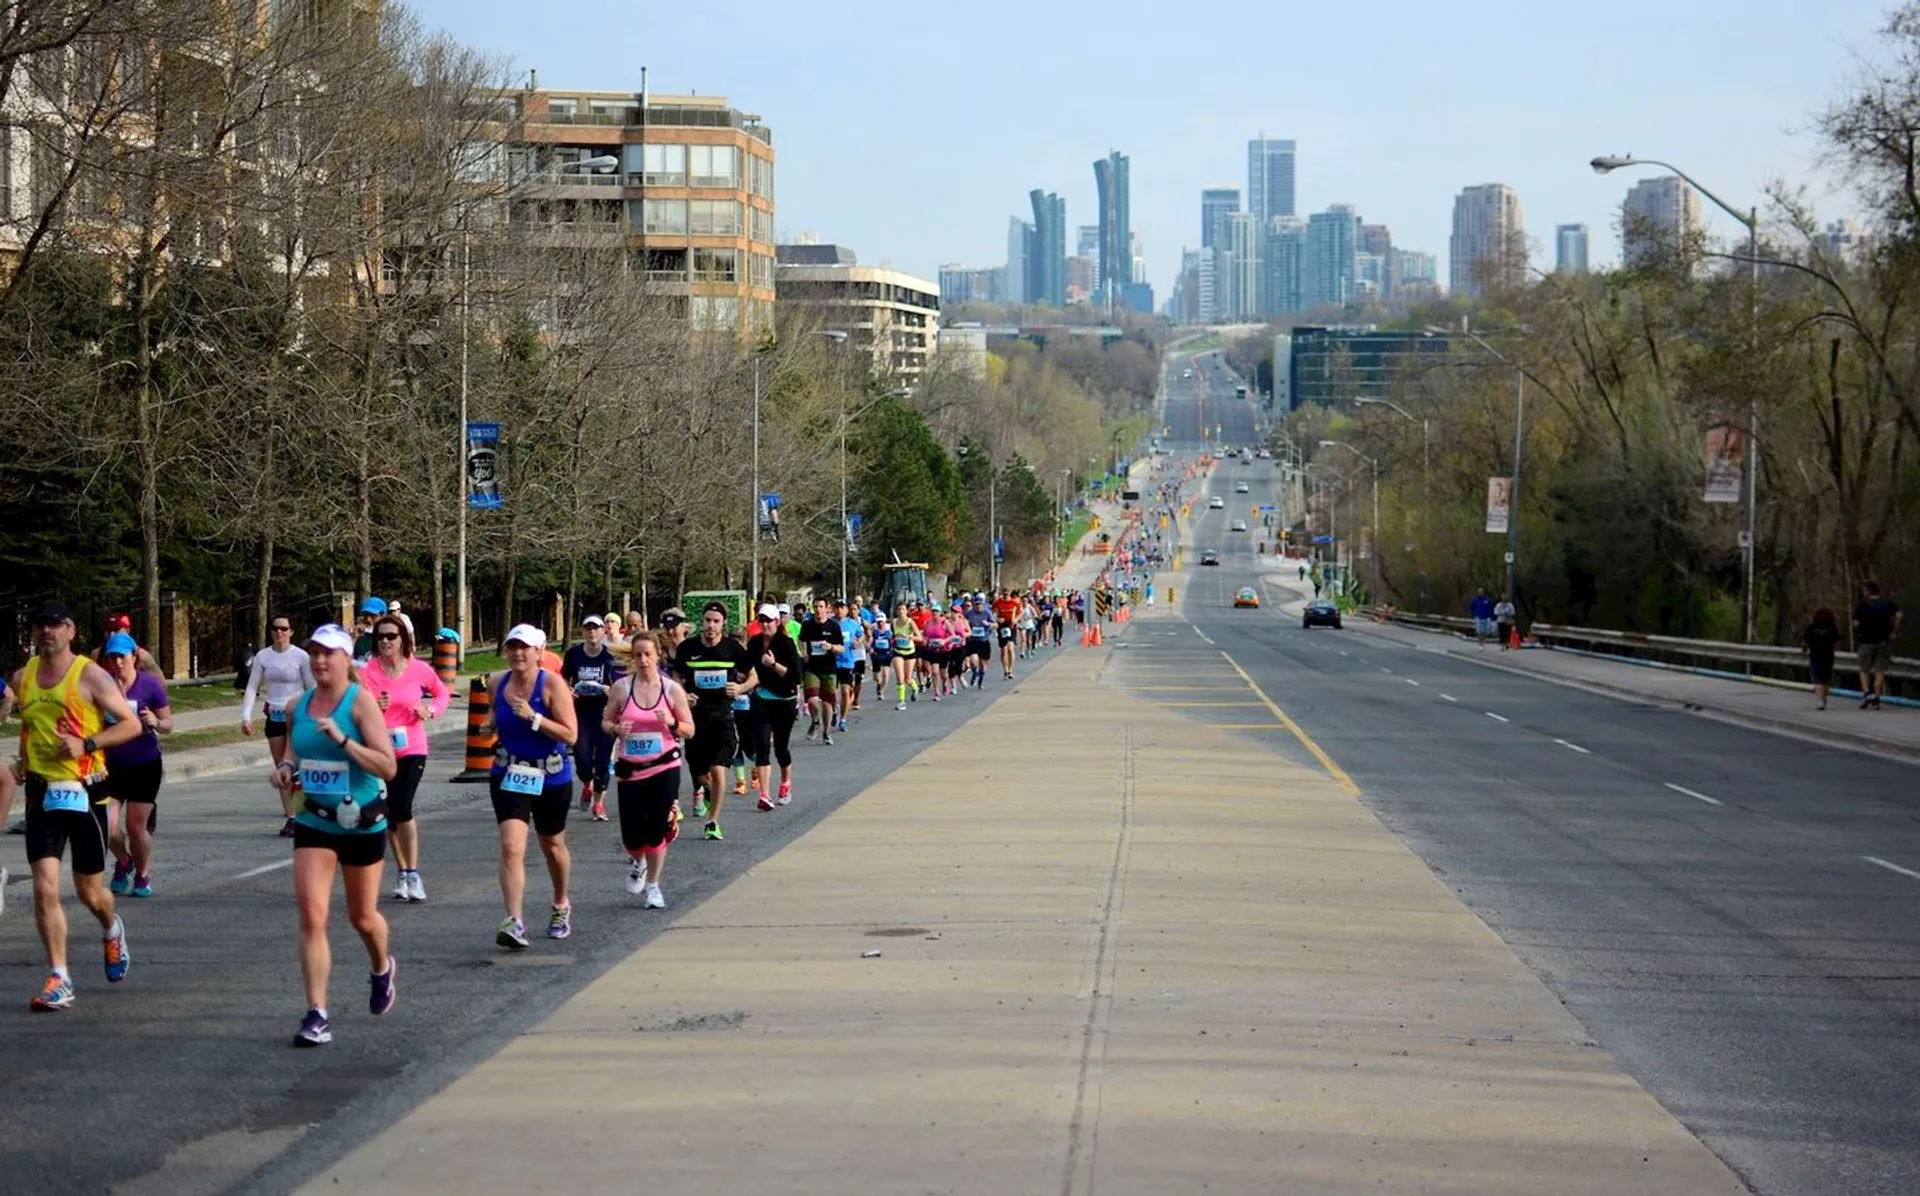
[1269, 179]
[1570, 249]
[1019, 254]
[1327, 264]
[1488, 241]
[1658, 213]
[1086, 241]
[1047, 264]
[1115, 272]
[1216, 204]
[1412, 276]
[1285, 246]
[1243, 254]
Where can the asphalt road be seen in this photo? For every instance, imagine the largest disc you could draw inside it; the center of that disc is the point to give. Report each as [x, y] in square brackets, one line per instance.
[1203, 408]
[1731, 913]
[182, 1079]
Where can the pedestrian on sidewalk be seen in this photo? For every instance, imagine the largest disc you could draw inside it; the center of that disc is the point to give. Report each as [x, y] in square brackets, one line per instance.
[1876, 620]
[1503, 622]
[1481, 608]
[1819, 641]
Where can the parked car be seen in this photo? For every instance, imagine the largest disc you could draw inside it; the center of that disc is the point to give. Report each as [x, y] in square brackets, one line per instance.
[1246, 596]
[1321, 613]
[1210, 557]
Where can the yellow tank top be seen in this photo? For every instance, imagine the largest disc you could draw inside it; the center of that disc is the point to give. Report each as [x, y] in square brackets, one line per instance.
[46, 713]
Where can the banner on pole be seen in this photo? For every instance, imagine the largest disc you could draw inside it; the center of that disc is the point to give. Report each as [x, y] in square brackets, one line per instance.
[483, 466]
[999, 549]
[854, 523]
[1726, 463]
[1499, 504]
[770, 516]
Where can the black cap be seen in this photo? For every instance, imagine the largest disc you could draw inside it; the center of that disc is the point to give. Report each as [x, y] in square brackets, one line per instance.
[714, 608]
[51, 611]
[673, 618]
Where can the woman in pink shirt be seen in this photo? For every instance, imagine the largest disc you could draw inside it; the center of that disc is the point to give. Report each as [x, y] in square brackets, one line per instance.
[409, 693]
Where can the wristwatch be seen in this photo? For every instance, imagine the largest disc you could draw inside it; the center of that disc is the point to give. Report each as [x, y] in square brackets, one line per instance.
[89, 745]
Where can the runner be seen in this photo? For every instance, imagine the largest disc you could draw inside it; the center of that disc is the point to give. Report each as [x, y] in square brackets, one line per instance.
[64, 700]
[848, 661]
[1029, 628]
[283, 669]
[746, 716]
[979, 640]
[1005, 631]
[820, 641]
[777, 668]
[134, 769]
[591, 669]
[532, 780]
[922, 616]
[862, 648]
[370, 610]
[714, 668]
[906, 639]
[340, 755]
[122, 623]
[648, 716]
[409, 694]
[882, 653]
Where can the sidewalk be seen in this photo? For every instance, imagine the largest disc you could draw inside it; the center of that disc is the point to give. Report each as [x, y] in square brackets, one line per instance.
[1124, 952]
[1894, 730]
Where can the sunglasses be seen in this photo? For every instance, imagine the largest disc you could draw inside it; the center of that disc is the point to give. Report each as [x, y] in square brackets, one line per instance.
[282, 627]
[387, 635]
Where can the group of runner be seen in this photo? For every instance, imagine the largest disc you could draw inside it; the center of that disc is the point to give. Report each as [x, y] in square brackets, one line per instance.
[345, 714]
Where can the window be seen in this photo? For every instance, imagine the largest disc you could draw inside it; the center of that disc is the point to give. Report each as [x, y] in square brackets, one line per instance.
[761, 268]
[479, 161]
[666, 265]
[714, 166]
[762, 177]
[662, 217]
[716, 265]
[6, 172]
[714, 311]
[714, 217]
[665, 165]
[763, 226]
[563, 107]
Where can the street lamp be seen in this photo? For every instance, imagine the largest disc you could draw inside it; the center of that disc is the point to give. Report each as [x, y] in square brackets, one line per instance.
[1750, 460]
[598, 164]
[1519, 423]
[1375, 465]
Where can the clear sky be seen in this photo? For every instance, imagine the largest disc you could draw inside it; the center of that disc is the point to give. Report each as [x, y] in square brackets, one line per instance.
[911, 133]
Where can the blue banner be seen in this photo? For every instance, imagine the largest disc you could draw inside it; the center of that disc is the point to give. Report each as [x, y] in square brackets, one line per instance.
[770, 514]
[999, 549]
[854, 524]
[483, 466]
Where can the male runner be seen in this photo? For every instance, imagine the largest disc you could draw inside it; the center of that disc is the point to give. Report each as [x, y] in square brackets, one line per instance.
[715, 670]
[821, 638]
[590, 668]
[850, 662]
[65, 703]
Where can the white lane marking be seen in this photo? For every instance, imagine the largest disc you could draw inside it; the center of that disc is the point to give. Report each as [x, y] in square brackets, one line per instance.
[1576, 747]
[1499, 717]
[1449, 698]
[1876, 860]
[1712, 801]
[266, 868]
[1411, 681]
[1203, 635]
[1385, 669]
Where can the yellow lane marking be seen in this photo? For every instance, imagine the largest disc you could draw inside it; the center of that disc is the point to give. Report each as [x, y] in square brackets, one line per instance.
[1217, 705]
[1338, 773]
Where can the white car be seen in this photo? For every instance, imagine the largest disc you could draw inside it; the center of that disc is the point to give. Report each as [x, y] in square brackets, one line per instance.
[1240, 489]
[1216, 503]
[1239, 525]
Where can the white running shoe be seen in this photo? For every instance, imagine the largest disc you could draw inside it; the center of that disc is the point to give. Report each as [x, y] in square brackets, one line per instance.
[636, 878]
[653, 899]
[416, 891]
[402, 891]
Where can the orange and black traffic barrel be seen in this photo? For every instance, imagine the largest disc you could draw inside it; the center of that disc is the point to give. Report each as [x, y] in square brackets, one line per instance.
[446, 656]
[480, 740]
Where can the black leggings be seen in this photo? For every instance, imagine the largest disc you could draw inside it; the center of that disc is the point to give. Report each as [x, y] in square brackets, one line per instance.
[746, 731]
[775, 741]
[646, 809]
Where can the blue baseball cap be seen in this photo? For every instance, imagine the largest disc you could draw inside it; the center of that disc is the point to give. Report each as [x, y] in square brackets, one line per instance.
[373, 606]
[120, 644]
[447, 633]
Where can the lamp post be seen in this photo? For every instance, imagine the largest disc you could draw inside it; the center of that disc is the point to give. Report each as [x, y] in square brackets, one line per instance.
[1513, 486]
[1374, 464]
[598, 164]
[1750, 458]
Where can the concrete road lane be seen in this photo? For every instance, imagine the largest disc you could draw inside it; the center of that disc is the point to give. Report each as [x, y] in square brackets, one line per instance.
[182, 1080]
[1728, 911]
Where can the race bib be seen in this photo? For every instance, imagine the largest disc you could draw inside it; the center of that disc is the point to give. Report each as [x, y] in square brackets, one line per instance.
[324, 779]
[643, 746]
[66, 797]
[743, 702]
[399, 735]
[820, 648]
[277, 711]
[524, 779]
[710, 679]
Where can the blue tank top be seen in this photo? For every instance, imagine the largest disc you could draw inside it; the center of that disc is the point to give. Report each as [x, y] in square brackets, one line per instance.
[320, 798]
[520, 743]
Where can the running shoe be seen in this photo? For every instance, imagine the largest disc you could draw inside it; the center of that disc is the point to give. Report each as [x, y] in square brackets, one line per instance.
[402, 890]
[55, 996]
[673, 822]
[936, 697]
[560, 922]
[713, 832]
[786, 793]
[636, 878]
[842, 728]
[826, 739]
[765, 802]
[739, 786]
[512, 935]
[142, 885]
[313, 1030]
[599, 810]
[700, 807]
[813, 727]
[381, 989]
[653, 899]
[114, 948]
[901, 706]
[416, 891]
[586, 795]
[286, 829]
[122, 877]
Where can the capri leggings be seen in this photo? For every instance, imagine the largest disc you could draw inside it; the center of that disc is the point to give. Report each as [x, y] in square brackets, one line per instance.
[777, 717]
[646, 809]
[746, 732]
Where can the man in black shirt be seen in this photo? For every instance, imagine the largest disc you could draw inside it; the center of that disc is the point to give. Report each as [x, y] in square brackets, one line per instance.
[715, 669]
[1876, 620]
[820, 641]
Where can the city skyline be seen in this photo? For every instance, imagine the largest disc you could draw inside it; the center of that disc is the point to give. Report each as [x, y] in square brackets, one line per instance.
[1561, 98]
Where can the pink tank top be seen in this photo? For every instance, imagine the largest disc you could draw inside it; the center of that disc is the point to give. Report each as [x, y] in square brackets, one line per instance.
[652, 735]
